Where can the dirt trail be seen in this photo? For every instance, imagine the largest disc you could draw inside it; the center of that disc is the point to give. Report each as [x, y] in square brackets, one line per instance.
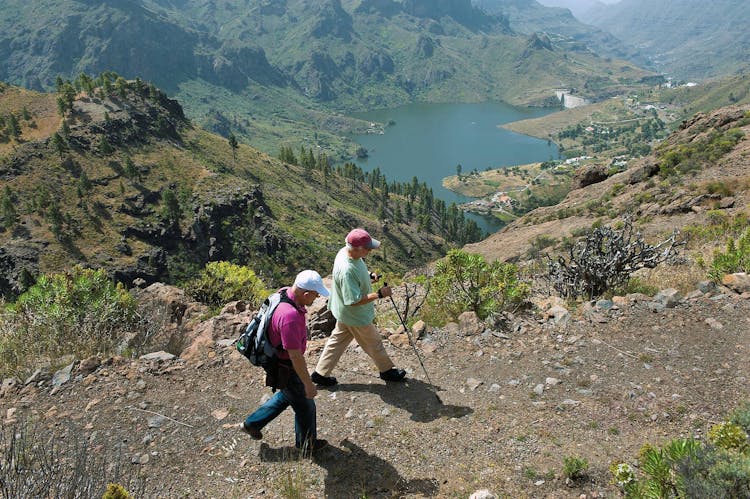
[514, 405]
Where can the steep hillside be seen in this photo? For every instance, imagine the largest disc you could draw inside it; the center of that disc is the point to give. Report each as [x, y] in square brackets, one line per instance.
[687, 39]
[696, 181]
[125, 182]
[276, 73]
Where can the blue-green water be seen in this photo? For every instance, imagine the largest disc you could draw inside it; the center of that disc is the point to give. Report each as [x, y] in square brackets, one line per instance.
[429, 140]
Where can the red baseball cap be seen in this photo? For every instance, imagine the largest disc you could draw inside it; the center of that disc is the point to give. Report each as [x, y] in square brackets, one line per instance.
[360, 238]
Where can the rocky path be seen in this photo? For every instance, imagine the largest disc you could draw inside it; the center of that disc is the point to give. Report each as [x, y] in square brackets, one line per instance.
[512, 404]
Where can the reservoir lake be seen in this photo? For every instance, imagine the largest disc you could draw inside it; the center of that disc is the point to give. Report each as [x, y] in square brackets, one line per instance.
[429, 140]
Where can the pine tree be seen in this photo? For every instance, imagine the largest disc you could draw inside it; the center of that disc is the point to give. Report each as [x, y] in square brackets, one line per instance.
[234, 145]
[171, 211]
[14, 129]
[59, 144]
[105, 147]
[131, 171]
[8, 208]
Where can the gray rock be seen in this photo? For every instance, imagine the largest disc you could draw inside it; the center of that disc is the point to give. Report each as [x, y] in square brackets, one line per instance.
[706, 287]
[714, 324]
[559, 315]
[38, 375]
[156, 421]
[62, 376]
[605, 304]
[668, 298]
[161, 356]
[482, 494]
[473, 383]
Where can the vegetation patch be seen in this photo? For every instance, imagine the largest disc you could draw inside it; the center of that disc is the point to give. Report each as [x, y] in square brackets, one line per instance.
[685, 158]
[463, 281]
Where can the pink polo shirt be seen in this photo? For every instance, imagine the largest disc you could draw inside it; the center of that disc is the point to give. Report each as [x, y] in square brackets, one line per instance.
[288, 323]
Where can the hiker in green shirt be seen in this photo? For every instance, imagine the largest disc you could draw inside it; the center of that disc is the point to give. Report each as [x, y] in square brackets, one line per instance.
[351, 303]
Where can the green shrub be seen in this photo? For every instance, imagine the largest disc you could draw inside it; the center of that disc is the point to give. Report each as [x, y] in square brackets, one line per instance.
[80, 312]
[116, 491]
[539, 243]
[222, 282]
[720, 226]
[575, 468]
[720, 188]
[713, 472]
[687, 468]
[735, 259]
[658, 467]
[729, 436]
[636, 285]
[741, 416]
[687, 158]
[465, 281]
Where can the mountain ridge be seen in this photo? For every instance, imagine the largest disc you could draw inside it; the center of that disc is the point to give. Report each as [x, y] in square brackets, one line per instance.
[259, 62]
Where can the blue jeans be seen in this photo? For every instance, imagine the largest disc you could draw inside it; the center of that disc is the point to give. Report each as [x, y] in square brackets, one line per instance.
[305, 419]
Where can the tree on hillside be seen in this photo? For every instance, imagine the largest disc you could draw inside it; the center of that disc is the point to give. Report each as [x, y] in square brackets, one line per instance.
[65, 99]
[234, 145]
[59, 144]
[105, 147]
[65, 130]
[171, 211]
[8, 208]
[122, 86]
[55, 219]
[14, 129]
[131, 171]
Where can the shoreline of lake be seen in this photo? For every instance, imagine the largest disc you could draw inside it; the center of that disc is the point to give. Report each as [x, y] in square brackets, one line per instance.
[429, 141]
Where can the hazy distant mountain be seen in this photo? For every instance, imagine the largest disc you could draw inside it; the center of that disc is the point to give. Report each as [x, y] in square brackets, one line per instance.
[687, 38]
[531, 16]
[579, 8]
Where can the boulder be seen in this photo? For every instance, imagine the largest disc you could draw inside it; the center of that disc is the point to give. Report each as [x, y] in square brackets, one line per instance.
[587, 175]
[470, 324]
[738, 282]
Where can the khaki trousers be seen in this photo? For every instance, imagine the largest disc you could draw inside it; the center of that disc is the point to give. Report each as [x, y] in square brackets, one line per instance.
[367, 337]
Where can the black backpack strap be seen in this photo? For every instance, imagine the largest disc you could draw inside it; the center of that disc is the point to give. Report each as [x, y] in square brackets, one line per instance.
[285, 298]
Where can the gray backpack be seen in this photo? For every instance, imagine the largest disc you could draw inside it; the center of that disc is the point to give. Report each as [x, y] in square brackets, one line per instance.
[253, 343]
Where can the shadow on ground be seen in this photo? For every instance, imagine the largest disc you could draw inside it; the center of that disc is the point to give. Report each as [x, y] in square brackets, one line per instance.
[353, 472]
[414, 396]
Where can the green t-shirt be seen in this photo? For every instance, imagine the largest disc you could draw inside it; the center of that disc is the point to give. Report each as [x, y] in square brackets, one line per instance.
[351, 283]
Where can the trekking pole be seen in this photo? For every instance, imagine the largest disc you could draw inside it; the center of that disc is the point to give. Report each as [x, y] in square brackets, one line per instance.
[414, 347]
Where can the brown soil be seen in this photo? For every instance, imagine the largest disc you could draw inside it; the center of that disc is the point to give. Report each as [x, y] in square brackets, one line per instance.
[626, 377]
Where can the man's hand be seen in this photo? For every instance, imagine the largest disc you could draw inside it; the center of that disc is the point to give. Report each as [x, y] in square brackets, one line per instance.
[300, 367]
[384, 291]
[310, 390]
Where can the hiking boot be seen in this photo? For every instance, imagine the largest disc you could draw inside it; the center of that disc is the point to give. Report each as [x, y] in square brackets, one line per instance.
[254, 432]
[319, 379]
[393, 374]
[312, 446]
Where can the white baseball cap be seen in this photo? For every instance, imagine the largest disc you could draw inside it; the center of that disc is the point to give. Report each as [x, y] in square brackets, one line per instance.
[309, 280]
